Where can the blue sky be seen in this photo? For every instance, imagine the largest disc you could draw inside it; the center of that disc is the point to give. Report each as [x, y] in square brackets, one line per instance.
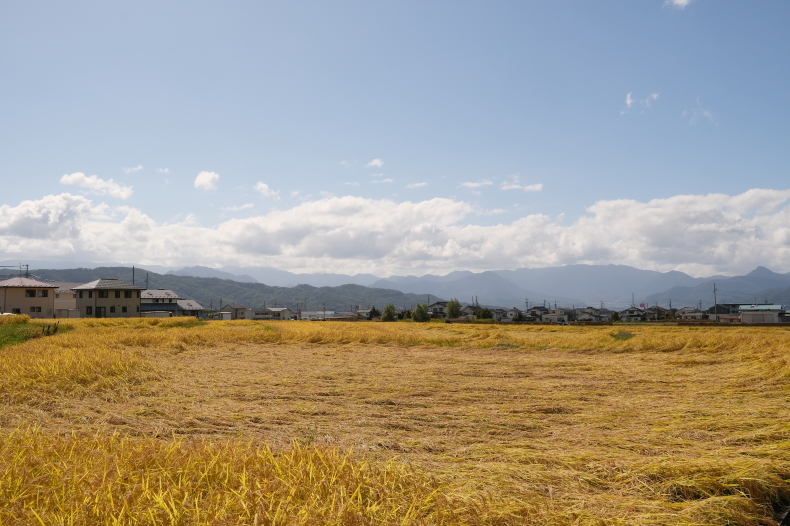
[312, 120]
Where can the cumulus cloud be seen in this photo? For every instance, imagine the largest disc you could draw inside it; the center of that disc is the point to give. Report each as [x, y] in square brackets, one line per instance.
[416, 185]
[381, 181]
[699, 234]
[134, 169]
[263, 189]
[163, 170]
[375, 163]
[206, 180]
[97, 185]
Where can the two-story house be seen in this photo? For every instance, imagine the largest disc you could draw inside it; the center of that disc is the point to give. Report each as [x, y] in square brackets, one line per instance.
[27, 296]
[108, 298]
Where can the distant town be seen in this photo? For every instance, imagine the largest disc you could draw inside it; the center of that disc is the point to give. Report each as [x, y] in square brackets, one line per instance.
[116, 298]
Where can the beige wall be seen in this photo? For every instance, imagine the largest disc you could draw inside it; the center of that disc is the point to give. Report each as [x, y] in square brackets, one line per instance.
[90, 298]
[65, 300]
[14, 298]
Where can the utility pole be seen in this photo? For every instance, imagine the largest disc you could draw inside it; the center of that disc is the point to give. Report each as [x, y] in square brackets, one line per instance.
[715, 304]
[146, 281]
[132, 274]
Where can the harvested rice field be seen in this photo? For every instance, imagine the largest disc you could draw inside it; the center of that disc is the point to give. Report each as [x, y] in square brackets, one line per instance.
[151, 421]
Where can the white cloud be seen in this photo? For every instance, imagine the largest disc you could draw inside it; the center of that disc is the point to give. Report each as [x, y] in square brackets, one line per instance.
[238, 208]
[98, 185]
[479, 184]
[698, 113]
[349, 183]
[416, 185]
[345, 164]
[206, 180]
[699, 234]
[377, 163]
[263, 189]
[645, 103]
[515, 184]
[677, 4]
[163, 170]
[381, 181]
[132, 170]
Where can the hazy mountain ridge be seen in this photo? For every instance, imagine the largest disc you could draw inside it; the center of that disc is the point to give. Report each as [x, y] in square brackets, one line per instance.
[212, 291]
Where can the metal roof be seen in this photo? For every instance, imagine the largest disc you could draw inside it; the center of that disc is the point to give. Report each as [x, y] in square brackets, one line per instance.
[159, 294]
[108, 284]
[25, 283]
[760, 307]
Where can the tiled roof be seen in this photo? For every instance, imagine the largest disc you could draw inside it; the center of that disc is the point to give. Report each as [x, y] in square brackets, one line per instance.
[159, 294]
[234, 306]
[108, 284]
[190, 305]
[24, 282]
[64, 287]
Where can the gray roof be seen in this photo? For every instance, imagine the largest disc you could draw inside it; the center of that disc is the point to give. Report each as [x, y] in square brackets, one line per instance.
[25, 283]
[108, 284]
[159, 294]
[233, 306]
[189, 305]
[64, 287]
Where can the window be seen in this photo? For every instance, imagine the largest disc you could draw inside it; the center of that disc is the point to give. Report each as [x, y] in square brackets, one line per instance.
[90, 293]
[156, 301]
[112, 309]
[138, 308]
[127, 294]
[38, 309]
[123, 309]
[138, 293]
[43, 293]
[104, 294]
[117, 293]
[16, 311]
[30, 293]
[80, 294]
[88, 310]
[32, 309]
[57, 296]
[170, 301]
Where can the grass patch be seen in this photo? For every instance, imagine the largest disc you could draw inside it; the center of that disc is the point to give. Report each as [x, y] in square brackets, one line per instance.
[622, 336]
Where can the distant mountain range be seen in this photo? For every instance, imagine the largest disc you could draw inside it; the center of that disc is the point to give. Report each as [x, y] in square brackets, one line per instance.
[210, 291]
[612, 285]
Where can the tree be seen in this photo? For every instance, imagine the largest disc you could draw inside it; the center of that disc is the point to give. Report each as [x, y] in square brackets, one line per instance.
[389, 314]
[374, 313]
[453, 308]
[421, 313]
[484, 314]
[519, 317]
[615, 316]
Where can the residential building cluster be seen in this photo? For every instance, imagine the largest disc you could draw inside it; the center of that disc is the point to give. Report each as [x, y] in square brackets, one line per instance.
[114, 298]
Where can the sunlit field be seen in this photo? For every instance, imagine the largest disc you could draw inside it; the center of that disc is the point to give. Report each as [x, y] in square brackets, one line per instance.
[173, 421]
